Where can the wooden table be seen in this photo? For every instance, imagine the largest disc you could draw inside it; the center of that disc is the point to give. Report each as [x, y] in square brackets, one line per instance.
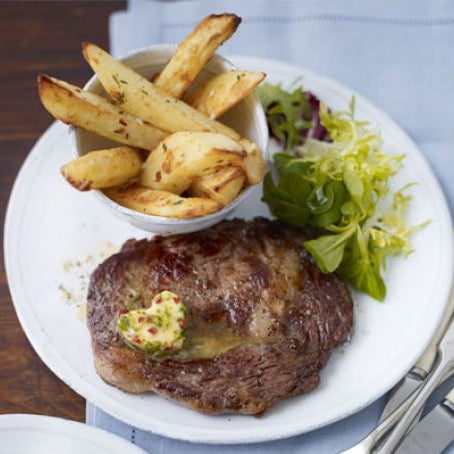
[36, 37]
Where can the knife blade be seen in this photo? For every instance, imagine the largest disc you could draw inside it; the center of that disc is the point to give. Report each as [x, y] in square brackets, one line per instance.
[415, 377]
[434, 433]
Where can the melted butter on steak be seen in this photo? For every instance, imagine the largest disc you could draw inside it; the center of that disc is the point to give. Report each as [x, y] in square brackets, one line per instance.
[262, 318]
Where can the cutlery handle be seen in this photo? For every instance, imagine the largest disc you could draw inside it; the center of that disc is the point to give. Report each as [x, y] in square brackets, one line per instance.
[439, 374]
[450, 395]
[427, 359]
[367, 444]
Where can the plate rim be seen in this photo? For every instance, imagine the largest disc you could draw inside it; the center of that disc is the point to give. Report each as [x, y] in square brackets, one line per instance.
[69, 428]
[85, 389]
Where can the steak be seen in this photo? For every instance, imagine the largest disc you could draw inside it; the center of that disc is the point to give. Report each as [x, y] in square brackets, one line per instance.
[262, 318]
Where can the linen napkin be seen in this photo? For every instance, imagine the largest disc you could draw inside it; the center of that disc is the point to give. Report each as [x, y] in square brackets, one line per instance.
[398, 55]
[328, 440]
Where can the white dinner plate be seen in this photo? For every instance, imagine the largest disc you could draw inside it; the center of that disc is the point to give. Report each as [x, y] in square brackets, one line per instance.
[32, 434]
[48, 223]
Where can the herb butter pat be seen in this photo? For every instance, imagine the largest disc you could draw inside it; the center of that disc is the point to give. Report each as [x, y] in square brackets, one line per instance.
[157, 330]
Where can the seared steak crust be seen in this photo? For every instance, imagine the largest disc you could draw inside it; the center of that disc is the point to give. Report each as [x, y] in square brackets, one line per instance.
[252, 280]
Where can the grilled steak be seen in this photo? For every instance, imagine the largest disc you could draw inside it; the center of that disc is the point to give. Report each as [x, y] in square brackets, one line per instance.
[262, 318]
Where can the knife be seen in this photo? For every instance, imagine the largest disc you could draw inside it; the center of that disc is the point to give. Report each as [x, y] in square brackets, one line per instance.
[434, 433]
[415, 377]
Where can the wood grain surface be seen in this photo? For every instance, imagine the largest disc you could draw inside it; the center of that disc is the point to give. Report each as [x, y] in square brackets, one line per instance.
[36, 37]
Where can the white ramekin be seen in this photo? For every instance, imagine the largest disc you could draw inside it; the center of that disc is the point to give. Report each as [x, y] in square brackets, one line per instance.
[247, 117]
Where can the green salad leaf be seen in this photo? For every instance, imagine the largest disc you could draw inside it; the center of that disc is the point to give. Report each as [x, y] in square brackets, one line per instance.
[328, 250]
[288, 113]
[342, 188]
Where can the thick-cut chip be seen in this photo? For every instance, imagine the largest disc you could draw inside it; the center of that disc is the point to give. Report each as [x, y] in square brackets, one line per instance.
[184, 157]
[195, 51]
[103, 168]
[161, 203]
[142, 98]
[254, 164]
[222, 186]
[213, 99]
[223, 91]
[74, 106]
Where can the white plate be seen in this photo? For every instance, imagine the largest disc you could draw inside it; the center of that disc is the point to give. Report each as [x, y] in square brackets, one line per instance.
[48, 222]
[31, 434]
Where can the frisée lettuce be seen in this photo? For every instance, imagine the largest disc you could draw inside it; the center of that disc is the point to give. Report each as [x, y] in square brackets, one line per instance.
[341, 187]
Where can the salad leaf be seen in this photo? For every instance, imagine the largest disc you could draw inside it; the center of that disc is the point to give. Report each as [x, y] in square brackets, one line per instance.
[288, 113]
[329, 208]
[340, 185]
[283, 200]
[328, 250]
[360, 269]
[389, 234]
